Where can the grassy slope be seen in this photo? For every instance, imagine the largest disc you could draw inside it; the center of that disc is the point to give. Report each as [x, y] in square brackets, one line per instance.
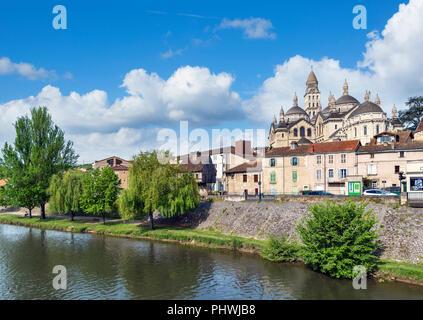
[387, 269]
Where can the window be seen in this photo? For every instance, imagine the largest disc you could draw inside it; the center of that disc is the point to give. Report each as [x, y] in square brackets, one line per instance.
[377, 129]
[256, 178]
[343, 158]
[318, 174]
[196, 176]
[374, 184]
[294, 161]
[365, 130]
[372, 155]
[355, 132]
[308, 132]
[244, 178]
[295, 132]
[246, 192]
[343, 173]
[273, 177]
[372, 169]
[331, 158]
[273, 162]
[302, 132]
[330, 173]
[416, 184]
[319, 159]
[397, 169]
[401, 154]
[336, 126]
[294, 176]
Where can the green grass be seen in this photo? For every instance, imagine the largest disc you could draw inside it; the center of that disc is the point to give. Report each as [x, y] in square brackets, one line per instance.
[184, 235]
[401, 270]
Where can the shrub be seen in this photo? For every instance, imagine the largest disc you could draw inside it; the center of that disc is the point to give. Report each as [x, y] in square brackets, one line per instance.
[280, 249]
[338, 237]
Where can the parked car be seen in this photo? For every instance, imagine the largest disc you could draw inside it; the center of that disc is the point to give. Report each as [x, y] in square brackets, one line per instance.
[378, 192]
[319, 193]
[396, 190]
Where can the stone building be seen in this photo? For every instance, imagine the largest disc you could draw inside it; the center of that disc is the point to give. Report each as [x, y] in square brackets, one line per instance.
[305, 166]
[244, 179]
[119, 166]
[343, 119]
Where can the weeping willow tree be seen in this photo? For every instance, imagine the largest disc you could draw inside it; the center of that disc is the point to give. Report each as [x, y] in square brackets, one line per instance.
[65, 192]
[156, 185]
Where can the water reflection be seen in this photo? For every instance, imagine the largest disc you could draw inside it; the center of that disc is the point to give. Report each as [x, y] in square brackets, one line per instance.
[112, 268]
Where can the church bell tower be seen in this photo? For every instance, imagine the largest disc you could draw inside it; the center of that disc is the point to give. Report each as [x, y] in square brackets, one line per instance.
[312, 103]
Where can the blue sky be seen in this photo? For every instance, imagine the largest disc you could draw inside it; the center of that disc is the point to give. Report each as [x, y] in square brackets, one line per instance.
[107, 40]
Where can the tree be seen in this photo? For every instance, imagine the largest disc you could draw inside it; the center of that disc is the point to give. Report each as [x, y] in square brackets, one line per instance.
[157, 185]
[100, 189]
[39, 152]
[337, 237]
[65, 192]
[413, 115]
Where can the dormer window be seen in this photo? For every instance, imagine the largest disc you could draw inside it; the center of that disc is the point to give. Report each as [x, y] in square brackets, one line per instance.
[294, 146]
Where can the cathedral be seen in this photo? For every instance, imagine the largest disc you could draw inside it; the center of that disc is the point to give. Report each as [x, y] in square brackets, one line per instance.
[344, 118]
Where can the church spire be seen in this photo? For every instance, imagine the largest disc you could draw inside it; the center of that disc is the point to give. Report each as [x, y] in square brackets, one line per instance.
[377, 100]
[281, 115]
[367, 96]
[394, 112]
[274, 119]
[295, 100]
[345, 88]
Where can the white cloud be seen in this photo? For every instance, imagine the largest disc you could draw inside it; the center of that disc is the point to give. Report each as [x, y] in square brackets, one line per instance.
[191, 93]
[170, 53]
[24, 69]
[254, 28]
[392, 67]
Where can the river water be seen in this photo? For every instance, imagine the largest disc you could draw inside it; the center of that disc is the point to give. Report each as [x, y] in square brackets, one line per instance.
[100, 267]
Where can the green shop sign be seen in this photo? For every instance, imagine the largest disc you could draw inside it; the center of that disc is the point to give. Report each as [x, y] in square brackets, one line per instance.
[354, 188]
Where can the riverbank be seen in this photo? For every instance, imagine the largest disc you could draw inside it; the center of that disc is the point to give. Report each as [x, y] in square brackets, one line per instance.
[387, 270]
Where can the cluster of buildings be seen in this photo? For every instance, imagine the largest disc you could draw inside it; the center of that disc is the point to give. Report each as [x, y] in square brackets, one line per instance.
[342, 149]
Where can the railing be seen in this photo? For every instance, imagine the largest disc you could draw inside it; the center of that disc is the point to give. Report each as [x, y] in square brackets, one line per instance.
[415, 197]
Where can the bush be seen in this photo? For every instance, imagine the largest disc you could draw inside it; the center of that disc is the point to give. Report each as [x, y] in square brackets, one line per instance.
[338, 237]
[280, 250]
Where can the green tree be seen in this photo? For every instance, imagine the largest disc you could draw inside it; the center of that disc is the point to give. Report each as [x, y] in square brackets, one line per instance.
[100, 189]
[338, 237]
[65, 192]
[157, 185]
[413, 115]
[39, 152]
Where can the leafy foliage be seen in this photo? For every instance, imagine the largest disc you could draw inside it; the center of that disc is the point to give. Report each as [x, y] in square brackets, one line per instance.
[338, 237]
[39, 152]
[155, 184]
[280, 249]
[100, 191]
[65, 192]
[412, 116]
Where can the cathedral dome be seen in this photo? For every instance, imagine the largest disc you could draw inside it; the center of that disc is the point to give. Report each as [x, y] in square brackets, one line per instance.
[366, 107]
[295, 110]
[347, 99]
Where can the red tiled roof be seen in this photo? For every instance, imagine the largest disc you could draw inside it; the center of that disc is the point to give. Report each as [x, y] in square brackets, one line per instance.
[247, 166]
[324, 147]
[403, 136]
[120, 167]
[109, 158]
[191, 167]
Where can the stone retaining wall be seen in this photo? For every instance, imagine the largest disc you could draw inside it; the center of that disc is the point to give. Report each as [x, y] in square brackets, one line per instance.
[401, 234]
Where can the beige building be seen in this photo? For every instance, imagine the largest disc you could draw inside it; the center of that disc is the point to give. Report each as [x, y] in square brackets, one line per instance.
[305, 166]
[343, 119]
[119, 166]
[388, 154]
[244, 179]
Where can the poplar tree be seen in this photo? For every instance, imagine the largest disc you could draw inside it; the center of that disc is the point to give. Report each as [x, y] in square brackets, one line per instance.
[39, 151]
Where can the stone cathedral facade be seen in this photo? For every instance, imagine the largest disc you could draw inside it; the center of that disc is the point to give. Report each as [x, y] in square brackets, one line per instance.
[344, 118]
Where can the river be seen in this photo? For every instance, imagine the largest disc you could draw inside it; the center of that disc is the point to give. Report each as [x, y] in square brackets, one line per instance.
[101, 267]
